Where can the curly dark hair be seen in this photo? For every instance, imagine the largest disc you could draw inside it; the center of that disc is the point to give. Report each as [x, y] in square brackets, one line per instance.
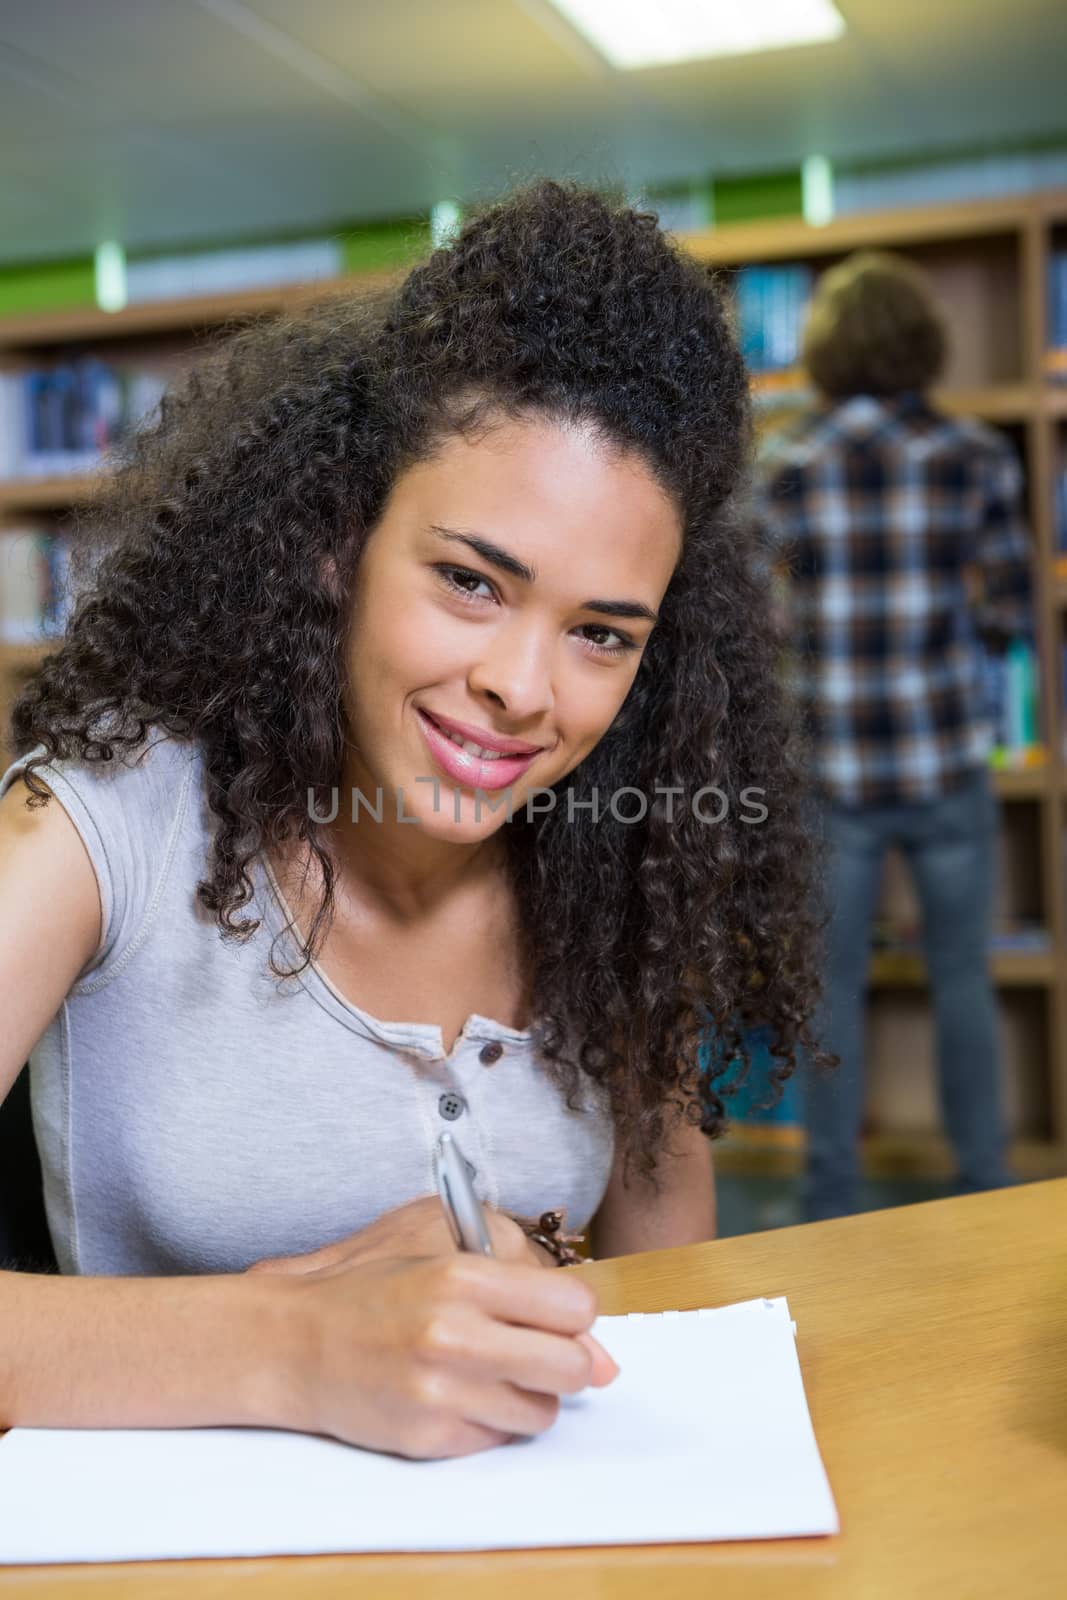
[874, 328]
[209, 611]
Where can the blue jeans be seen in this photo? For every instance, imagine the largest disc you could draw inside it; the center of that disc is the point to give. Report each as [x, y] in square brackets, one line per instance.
[950, 847]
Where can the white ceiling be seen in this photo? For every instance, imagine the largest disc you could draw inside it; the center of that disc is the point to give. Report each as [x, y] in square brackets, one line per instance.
[164, 121]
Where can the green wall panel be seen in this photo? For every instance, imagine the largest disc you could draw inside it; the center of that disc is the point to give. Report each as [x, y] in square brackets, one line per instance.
[765, 194]
[46, 286]
[382, 245]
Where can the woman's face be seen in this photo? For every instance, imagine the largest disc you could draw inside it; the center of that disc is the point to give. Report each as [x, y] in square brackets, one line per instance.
[505, 598]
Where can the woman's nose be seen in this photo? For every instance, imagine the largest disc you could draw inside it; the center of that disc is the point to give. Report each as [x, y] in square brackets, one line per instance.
[515, 670]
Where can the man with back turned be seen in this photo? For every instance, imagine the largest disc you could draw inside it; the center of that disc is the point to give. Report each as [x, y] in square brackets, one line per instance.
[901, 534]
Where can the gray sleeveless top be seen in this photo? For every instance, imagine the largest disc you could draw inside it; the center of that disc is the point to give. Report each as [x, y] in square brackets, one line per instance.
[195, 1114]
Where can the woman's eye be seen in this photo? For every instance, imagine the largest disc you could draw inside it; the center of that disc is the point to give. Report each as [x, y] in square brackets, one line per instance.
[601, 643]
[463, 582]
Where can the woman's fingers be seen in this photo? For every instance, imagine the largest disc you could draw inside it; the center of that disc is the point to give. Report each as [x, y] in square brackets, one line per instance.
[509, 1410]
[442, 1356]
[605, 1368]
[508, 1240]
[517, 1292]
[480, 1347]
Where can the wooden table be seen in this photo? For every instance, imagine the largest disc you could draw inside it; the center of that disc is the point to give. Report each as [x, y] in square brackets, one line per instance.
[933, 1340]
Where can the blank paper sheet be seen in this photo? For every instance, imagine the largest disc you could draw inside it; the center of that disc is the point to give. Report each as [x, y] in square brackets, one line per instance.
[705, 1435]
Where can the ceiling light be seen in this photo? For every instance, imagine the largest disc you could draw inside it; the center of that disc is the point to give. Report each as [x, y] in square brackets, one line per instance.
[659, 33]
[109, 275]
[817, 189]
[446, 219]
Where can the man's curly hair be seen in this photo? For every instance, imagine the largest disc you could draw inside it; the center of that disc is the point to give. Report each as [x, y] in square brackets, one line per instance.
[874, 328]
[217, 592]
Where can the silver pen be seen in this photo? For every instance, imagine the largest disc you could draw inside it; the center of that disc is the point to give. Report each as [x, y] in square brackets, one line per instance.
[463, 1210]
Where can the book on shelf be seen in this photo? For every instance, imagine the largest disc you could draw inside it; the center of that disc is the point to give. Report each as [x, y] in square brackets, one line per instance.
[771, 306]
[1056, 354]
[35, 585]
[1059, 519]
[64, 418]
[751, 1101]
[1009, 687]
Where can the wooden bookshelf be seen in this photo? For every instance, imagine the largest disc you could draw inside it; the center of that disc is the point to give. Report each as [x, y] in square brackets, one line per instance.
[1012, 969]
[993, 402]
[794, 239]
[21, 495]
[1024, 783]
[779, 1152]
[989, 260]
[24, 658]
[87, 325]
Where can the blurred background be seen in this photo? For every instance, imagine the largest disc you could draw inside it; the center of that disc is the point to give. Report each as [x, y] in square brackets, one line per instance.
[172, 167]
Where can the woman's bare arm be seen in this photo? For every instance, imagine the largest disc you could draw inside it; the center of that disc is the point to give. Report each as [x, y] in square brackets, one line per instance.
[144, 1352]
[635, 1218]
[49, 921]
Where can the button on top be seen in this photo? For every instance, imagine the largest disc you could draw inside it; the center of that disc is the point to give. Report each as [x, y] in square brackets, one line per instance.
[451, 1106]
[491, 1052]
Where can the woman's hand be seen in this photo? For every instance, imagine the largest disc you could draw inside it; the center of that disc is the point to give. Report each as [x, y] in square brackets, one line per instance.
[416, 1229]
[439, 1356]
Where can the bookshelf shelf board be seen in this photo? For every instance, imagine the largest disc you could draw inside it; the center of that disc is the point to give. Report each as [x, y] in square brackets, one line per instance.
[1053, 205]
[746, 1150]
[20, 658]
[739, 244]
[48, 494]
[1028, 783]
[1054, 400]
[1012, 969]
[992, 402]
[86, 324]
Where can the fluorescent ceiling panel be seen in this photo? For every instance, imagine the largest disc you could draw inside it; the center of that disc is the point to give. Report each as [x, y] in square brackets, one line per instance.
[660, 33]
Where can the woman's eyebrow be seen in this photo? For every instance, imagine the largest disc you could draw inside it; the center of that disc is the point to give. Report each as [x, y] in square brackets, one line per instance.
[488, 551]
[498, 557]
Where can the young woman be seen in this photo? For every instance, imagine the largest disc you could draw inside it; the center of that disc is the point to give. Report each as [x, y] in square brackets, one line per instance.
[422, 627]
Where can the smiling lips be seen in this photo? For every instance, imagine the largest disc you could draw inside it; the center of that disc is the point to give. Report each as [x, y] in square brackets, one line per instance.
[492, 764]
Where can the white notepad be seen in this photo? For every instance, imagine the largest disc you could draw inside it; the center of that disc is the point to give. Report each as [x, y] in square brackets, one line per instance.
[705, 1435]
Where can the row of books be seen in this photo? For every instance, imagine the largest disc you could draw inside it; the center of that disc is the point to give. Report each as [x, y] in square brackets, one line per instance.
[1056, 357]
[1010, 703]
[66, 417]
[1059, 510]
[771, 306]
[35, 587]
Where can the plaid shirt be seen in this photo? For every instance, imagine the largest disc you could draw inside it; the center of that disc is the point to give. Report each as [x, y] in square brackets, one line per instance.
[888, 515]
